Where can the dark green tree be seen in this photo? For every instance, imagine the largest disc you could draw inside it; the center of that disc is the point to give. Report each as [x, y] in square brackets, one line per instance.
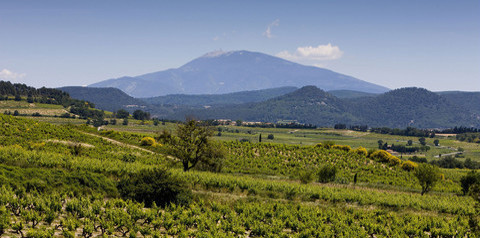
[122, 114]
[422, 141]
[436, 142]
[141, 115]
[192, 144]
[428, 175]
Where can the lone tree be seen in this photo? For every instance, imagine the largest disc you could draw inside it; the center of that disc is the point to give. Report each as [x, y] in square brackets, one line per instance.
[427, 175]
[193, 145]
[422, 141]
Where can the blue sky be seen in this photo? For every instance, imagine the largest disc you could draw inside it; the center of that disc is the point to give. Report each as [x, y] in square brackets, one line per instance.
[430, 44]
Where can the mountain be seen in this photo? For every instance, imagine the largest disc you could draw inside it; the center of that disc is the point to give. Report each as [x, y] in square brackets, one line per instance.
[109, 99]
[469, 100]
[398, 108]
[304, 105]
[220, 99]
[351, 94]
[415, 107]
[226, 72]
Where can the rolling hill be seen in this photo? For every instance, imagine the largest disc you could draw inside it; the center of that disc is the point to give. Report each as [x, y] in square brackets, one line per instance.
[110, 99]
[227, 72]
[397, 109]
[220, 99]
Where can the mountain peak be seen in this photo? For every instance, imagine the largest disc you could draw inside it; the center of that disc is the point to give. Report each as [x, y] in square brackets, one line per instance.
[216, 53]
[220, 72]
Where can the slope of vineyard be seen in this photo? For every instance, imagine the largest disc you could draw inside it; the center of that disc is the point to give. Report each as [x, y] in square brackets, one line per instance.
[62, 181]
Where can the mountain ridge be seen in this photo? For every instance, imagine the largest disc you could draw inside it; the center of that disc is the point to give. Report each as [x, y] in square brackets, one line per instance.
[227, 72]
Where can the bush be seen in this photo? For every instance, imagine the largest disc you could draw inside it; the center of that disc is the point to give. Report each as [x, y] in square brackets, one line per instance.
[327, 173]
[380, 156]
[469, 180]
[346, 148]
[147, 141]
[427, 175]
[306, 176]
[270, 137]
[155, 185]
[361, 151]
[409, 165]
[328, 144]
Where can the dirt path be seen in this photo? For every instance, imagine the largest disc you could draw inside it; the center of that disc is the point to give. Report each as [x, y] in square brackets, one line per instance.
[119, 142]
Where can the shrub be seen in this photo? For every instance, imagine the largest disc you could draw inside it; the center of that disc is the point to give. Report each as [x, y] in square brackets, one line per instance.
[147, 141]
[328, 144]
[393, 160]
[361, 151]
[427, 175]
[342, 147]
[380, 156]
[409, 165]
[469, 180]
[155, 185]
[270, 137]
[327, 173]
[306, 176]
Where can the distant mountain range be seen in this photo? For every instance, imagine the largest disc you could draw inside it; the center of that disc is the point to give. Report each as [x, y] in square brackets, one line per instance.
[227, 72]
[397, 108]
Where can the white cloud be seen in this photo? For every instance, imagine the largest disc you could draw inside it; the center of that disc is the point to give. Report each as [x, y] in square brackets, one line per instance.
[8, 75]
[309, 53]
[268, 31]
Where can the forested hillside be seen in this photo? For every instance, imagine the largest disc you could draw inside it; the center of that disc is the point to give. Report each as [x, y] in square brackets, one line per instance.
[110, 99]
[397, 109]
[220, 99]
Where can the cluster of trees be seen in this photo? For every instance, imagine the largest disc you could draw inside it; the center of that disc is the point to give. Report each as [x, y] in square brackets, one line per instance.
[471, 137]
[459, 130]
[41, 95]
[408, 148]
[341, 126]
[409, 131]
[292, 125]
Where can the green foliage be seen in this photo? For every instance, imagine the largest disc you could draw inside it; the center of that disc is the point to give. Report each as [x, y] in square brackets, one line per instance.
[326, 173]
[361, 151]
[155, 186]
[4, 219]
[192, 145]
[141, 115]
[122, 114]
[467, 181]
[147, 141]
[427, 175]
[270, 137]
[409, 165]
[306, 176]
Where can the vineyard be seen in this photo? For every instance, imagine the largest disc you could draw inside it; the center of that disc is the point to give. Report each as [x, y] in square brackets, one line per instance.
[68, 181]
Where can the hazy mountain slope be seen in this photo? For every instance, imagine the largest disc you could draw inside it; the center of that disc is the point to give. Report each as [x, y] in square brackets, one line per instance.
[227, 72]
[220, 99]
[110, 99]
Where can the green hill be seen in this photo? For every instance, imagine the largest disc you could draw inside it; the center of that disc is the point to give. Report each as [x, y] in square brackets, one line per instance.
[351, 94]
[109, 99]
[220, 99]
[398, 108]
